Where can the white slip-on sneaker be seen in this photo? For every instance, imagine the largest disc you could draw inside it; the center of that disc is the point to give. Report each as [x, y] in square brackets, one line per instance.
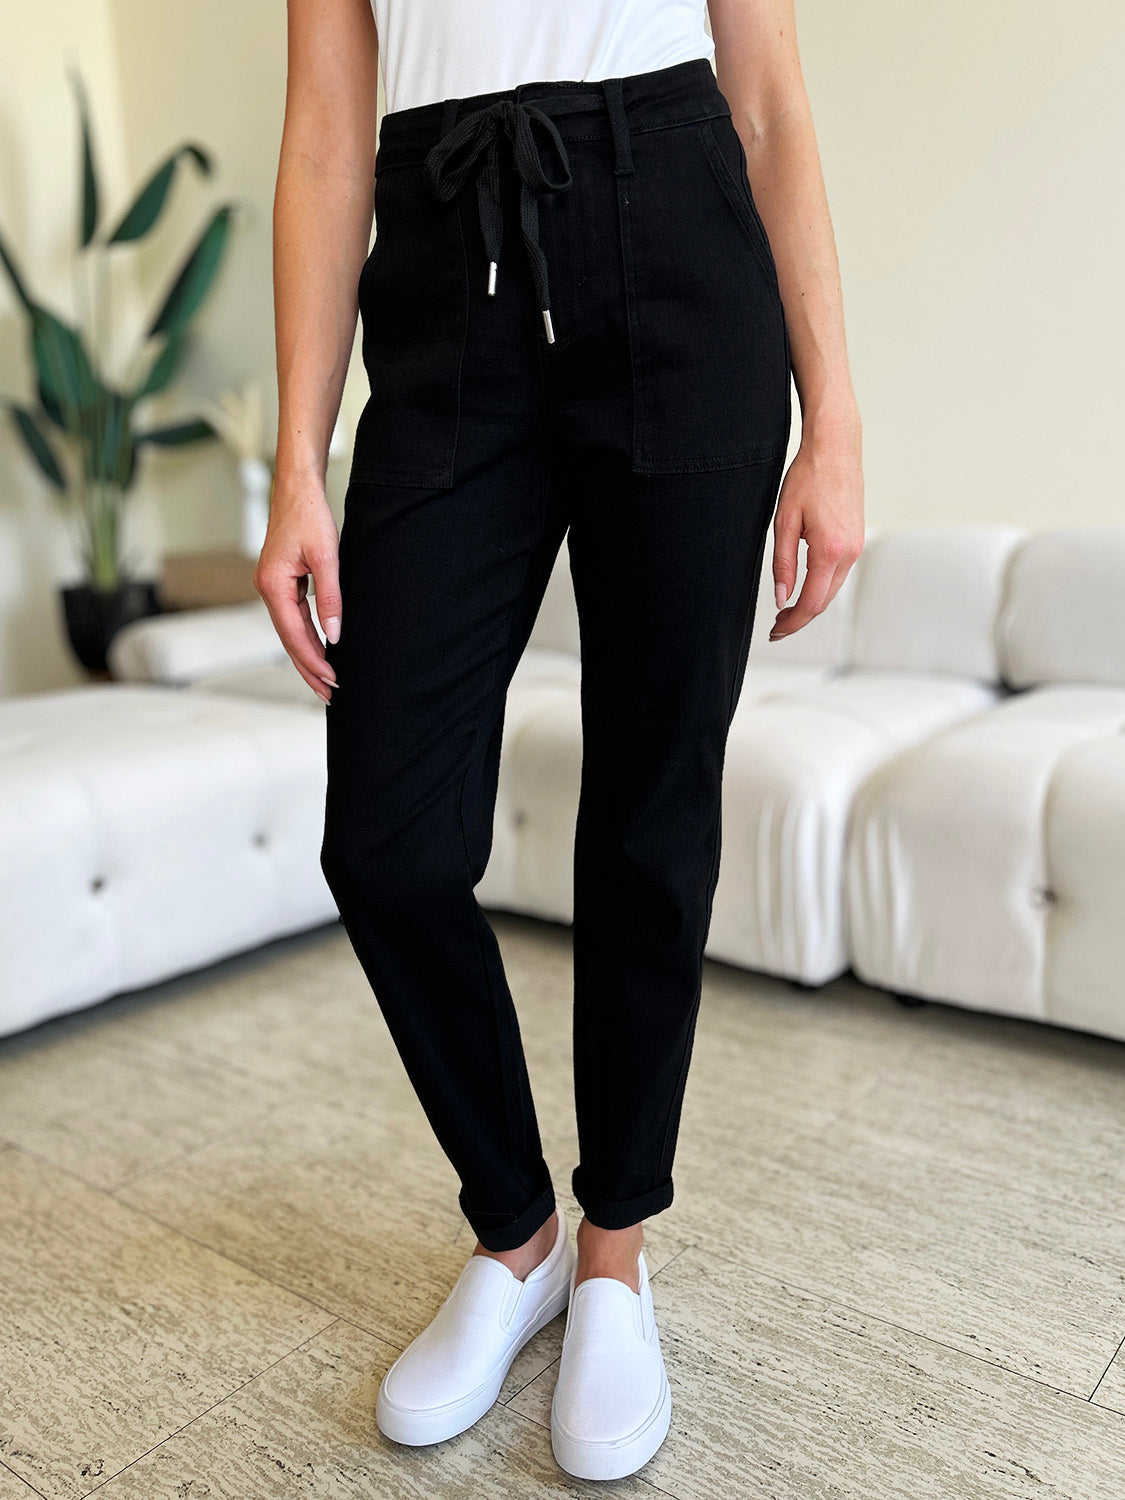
[612, 1405]
[451, 1373]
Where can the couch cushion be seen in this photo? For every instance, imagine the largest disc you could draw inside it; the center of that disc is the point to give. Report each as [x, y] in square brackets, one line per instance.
[276, 682]
[1084, 833]
[951, 882]
[145, 831]
[184, 644]
[1063, 613]
[795, 759]
[927, 599]
[901, 707]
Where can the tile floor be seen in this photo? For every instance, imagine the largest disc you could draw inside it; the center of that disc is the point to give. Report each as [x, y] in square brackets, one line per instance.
[895, 1265]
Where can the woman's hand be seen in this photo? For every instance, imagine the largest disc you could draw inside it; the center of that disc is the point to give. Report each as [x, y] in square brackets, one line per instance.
[822, 501]
[302, 539]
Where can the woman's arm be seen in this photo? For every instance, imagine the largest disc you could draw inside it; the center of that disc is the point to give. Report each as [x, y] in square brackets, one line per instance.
[323, 208]
[759, 72]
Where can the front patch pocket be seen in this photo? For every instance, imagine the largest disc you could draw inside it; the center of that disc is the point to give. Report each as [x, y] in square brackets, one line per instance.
[711, 370]
[413, 304]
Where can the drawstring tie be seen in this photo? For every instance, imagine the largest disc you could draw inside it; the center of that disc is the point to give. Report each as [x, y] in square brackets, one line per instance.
[478, 135]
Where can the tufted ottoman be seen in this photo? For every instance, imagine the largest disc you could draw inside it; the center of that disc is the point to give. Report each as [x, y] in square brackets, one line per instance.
[145, 831]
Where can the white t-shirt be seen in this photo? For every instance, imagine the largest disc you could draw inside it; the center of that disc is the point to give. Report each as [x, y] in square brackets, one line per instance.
[440, 49]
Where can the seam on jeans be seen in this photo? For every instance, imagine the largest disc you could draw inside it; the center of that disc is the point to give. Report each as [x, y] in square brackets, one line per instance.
[743, 646]
[744, 459]
[478, 918]
[464, 338]
[478, 915]
[632, 313]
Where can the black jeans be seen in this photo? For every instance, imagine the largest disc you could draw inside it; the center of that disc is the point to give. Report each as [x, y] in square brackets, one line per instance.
[645, 420]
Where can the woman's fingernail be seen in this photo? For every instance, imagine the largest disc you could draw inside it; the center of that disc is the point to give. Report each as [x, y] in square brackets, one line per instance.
[332, 628]
[780, 594]
[331, 681]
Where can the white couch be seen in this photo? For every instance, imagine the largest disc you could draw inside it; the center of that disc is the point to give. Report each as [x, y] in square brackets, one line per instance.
[926, 784]
[146, 831]
[987, 865]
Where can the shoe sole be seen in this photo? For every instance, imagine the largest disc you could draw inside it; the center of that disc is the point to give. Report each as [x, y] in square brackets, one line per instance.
[417, 1428]
[616, 1460]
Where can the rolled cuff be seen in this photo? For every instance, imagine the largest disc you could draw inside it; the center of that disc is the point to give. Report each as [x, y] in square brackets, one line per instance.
[619, 1213]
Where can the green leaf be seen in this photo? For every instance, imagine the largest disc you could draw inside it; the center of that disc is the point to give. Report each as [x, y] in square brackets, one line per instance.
[148, 205]
[64, 370]
[129, 466]
[164, 366]
[37, 445]
[195, 277]
[195, 431]
[50, 406]
[90, 194]
[108, 440]
[18, 284]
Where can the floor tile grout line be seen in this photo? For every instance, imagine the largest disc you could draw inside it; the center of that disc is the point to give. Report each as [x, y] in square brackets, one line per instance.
[190, 1151]
[270, 1280]
[974, 1174]
[199, 1415]
[1105, 1372]
[127, 1182]
[831, 1300]
[21, 1480]
[507, 1401]
[1030, 1194]
[183, 1234]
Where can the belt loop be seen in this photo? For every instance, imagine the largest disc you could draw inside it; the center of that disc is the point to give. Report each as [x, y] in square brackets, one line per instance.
[619, 126]
[448, 115]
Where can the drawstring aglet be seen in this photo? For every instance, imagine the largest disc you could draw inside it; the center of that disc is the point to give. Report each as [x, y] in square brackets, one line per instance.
[492, 278]
[547, 325]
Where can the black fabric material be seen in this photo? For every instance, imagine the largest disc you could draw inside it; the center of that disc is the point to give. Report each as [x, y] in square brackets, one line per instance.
[474, 143]
[650, 436]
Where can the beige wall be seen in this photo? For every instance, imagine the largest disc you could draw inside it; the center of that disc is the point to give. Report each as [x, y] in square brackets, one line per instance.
[972, 157]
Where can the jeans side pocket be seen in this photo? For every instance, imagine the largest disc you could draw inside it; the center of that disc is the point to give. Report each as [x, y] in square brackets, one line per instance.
[413, 304]
[720, 134]
[706, 325]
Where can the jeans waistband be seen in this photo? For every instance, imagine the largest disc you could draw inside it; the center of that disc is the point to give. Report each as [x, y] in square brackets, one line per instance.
[458, 139]
[674, 95]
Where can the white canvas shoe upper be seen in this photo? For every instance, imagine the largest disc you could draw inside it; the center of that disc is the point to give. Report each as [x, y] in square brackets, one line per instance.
[612, 1404]
[452, 1372]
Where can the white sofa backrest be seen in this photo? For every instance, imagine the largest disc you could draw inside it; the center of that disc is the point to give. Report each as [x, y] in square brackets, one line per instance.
[1063, 614]
[927, 600]
[184, 644]
[556, 625]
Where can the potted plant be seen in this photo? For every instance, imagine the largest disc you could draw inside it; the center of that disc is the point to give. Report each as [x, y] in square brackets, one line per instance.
[83, 430]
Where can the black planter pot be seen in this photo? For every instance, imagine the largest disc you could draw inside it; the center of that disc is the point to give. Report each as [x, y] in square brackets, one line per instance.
[94, 616]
